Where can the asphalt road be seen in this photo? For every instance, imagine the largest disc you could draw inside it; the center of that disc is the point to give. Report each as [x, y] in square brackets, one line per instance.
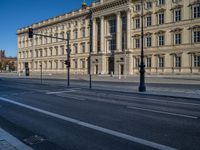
[52, 116]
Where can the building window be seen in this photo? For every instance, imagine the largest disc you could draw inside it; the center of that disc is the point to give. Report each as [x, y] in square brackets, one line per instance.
[149, 41]
[83, 48]
[51, 52]
[137, 7]
[148, 62]
[112, 26]
[196, 11]
[62, 50]
[137, 23]
[161, 2]
[178, 38]
[196, 36]
[196, 61]
[148, 21]
[83, 33]
[124, 32]
[161, 18]
[112, 44]
[161, 40]
[177, 61]
[56, 51]
[149, 5]
[177, 15]
[137, 62]
[160, 62]
[137, 43]
[75, 64]
[76, 34]
[112, 29]
[83, 64]
[75, 48]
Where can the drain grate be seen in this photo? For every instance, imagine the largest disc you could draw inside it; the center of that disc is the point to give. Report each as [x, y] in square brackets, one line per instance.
[35, 139]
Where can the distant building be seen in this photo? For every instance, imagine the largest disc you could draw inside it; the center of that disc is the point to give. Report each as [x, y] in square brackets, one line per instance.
[171, 38]
[7, 63]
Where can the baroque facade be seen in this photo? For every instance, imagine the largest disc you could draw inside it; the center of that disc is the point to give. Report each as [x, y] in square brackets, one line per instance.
[171, 39]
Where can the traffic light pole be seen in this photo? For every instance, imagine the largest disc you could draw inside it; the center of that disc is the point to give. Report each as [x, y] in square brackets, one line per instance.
[31, 33]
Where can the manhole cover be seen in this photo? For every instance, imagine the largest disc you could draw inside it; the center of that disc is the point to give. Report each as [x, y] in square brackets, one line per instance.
[34, 140]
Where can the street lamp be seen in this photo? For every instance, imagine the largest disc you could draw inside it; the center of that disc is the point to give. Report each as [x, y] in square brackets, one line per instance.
[142, 87]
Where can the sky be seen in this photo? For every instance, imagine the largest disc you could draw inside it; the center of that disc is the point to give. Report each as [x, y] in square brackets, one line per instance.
[15, 14]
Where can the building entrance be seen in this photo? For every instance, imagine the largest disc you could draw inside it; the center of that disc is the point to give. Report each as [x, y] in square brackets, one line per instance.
[111, 65]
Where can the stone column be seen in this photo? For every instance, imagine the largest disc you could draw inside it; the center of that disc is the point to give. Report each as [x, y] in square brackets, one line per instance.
[102, 34]
[128, 29]
[119, 29]
[94, 35]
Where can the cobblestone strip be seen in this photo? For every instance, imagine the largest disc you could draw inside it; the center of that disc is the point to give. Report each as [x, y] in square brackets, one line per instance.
[8, 142]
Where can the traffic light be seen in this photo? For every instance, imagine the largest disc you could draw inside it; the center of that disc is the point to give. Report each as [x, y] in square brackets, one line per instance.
[30, 32]
[67, 63]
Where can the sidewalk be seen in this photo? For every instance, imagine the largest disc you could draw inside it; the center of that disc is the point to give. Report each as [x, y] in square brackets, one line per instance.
[180, 86]
[8, 142]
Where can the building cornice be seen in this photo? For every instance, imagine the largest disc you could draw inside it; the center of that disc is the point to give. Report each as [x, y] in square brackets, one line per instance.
[55, 20]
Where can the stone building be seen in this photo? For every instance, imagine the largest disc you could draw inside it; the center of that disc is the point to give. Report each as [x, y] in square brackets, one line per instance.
[7, 63]
[171, 38]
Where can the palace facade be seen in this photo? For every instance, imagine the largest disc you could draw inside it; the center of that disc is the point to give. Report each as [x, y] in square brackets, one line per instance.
[171, 39]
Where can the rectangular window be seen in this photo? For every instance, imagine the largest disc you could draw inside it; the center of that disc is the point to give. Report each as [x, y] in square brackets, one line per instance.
[178, 38]
[161, 62]
[83, 33]
[137, 23]
[161, 40]
[76, 49]
[137, 43]
[137, 62]
[148, 40]
[196, 36]
[75, 34]
[161, 2]
[137, 7]
[148, 21]
[148, 62]
[196, 11]
[161, 18]
[177, 16]
[83, 48]
[149, 5]
[112, 26]
[196, 61]
[177, 61]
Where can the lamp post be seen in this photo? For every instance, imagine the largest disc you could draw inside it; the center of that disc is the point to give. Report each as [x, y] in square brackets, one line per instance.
[142, 87]
[90, 51]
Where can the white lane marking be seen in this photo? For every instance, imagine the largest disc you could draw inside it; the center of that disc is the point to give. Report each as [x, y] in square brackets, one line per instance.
[166, 101]
[94, 127]
[58, 92]
[163, 112]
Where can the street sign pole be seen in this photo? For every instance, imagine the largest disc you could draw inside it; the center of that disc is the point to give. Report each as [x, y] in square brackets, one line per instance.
[41, 73]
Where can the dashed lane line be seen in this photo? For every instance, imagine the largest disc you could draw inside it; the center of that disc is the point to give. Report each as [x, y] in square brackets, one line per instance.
[163, 112]
[94, 127]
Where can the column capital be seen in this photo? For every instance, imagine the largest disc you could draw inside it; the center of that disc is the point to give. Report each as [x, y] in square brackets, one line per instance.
[118, 13]
[102, 17]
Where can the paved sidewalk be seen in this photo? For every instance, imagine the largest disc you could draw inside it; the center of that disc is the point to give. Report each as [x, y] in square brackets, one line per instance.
[8, 142]
[180, 86]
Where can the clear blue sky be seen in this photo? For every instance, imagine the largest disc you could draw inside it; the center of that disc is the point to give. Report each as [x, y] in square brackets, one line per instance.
[15, 14]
